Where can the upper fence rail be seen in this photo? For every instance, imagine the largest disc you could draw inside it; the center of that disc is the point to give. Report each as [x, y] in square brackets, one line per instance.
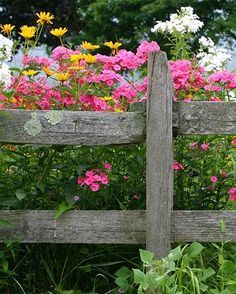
[106, 128]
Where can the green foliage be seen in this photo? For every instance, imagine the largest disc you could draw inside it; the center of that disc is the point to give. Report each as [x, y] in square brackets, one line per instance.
[192, 268]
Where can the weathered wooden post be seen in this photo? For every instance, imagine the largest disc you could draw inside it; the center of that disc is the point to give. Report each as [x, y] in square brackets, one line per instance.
[159, 183]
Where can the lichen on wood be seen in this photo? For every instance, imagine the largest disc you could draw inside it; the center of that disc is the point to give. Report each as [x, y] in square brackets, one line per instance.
[54, 117]
[33, 126]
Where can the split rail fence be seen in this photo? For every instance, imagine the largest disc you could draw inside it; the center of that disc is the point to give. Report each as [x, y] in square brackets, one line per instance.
[159, 225]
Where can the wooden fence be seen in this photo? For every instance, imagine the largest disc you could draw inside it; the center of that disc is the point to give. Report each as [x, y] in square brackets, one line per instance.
[159, 225]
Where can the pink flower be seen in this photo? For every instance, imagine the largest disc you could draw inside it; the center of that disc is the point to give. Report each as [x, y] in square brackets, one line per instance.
[193, 145]
[125, 177]
[177, 166]
[224, 173]
[232, 194]
[214, 179]
[233, 142]
[145, 48]
[107, 165]
[204, 146]
[136, 197]
[94, 187]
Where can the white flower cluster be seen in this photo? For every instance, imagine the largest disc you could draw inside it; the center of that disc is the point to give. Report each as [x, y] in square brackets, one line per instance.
[5, 75]
[5, 48]
[210, 57]
[5, 55]
[185, 21]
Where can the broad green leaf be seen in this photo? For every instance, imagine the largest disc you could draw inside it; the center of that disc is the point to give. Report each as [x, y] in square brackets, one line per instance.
[20, 194]
[195, 249]
[227, 267]
[146, 256]
[123, 272]
[63, 207]
[139, 276]
[206, 273]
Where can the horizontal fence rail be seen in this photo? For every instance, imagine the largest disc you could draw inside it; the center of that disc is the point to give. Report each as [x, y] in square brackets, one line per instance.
[104, 128]
[112, 226]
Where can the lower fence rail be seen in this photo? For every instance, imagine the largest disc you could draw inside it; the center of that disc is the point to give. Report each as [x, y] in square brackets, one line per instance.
[112, 226]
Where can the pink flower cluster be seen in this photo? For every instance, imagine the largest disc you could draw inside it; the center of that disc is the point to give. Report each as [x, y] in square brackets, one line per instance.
[232, 194]
[94, 179]
[192, 83]
[68, 80]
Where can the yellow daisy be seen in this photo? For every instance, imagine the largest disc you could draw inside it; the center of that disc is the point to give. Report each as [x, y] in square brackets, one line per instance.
[44, 18]
[7, 29]
[28, 32]
[89, 46]
[58, 32]
[62, 76]
[113, 46]
[89, 58]
[29, 72]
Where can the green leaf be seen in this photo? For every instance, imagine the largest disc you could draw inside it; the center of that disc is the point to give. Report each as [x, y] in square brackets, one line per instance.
[175, 254]
[63, 207]
[207, 273]
[195, 249]
[139, 276]
[123, 272]
[227, 267]
[20, 194]
[5, 265]
[146, 256]
[122, 283]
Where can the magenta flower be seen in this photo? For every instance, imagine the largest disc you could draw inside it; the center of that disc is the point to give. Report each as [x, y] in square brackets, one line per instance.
[204, 146]
[177, 166]
[232, 194]
[214, 179]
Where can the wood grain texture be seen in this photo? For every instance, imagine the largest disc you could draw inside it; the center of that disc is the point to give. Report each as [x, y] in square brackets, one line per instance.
[205, 118]
[92, 227]
[159, 154]
[71, 128]
[204, 226]
[99, 128]
[113, 227]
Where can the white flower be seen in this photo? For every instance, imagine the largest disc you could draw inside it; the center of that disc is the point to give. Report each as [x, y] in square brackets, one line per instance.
[206, 42]
[185, 21]
[210, 57]
[5, 75]
[5, 48]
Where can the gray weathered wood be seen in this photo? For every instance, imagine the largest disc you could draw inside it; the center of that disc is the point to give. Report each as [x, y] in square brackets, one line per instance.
[99, 128]
[204, 226]
[205, 118]
[113, 227]
[71, 127]
[159, 179]
[81, 226]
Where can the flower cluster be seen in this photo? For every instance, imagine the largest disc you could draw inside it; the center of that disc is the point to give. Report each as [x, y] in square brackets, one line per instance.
[79, 80]
[210, 57]
[232, 194]
[94, 179]
[5, 55]
[185, 21]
